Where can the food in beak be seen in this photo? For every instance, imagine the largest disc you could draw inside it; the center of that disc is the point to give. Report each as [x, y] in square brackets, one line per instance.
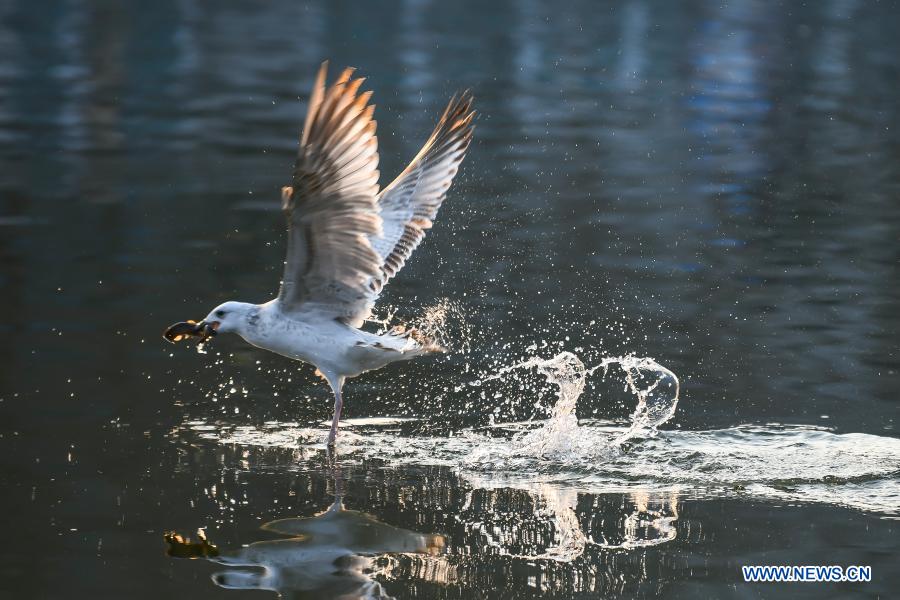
[186, 329]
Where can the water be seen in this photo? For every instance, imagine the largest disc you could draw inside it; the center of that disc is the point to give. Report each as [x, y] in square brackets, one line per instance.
[711, 185]
[781, 462]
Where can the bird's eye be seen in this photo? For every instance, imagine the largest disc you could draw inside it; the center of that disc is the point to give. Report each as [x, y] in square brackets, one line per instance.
[220, 313]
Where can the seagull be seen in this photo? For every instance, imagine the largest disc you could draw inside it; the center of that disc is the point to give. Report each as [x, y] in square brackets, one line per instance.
[346, 239]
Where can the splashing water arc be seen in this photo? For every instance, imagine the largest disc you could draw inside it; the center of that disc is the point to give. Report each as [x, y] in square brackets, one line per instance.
[783, 462]
[656, 388]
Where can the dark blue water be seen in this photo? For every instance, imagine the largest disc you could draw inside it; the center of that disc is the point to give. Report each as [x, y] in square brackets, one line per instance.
[713, 185]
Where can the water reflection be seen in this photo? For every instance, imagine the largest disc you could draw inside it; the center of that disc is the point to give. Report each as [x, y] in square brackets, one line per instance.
[570, 521]
[535, 533]
[711, 184]
[330, 555]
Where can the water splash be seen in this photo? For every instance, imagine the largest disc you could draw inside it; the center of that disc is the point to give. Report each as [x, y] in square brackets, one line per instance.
[777, 462]
[559, 438]
[444, 322]
[656, 388]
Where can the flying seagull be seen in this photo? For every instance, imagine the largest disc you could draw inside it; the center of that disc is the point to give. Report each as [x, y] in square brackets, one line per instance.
[346, 239]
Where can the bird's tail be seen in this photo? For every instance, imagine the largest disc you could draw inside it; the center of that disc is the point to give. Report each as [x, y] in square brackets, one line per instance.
[416, 340]
[375, 351]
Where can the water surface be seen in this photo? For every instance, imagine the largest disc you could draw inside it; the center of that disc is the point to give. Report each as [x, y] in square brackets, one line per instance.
[711, 185]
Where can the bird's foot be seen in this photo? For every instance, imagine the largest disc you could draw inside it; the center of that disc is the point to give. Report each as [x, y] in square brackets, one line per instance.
[330, 452]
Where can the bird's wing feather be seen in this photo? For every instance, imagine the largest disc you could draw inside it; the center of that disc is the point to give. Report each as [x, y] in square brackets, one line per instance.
[411, 202]
[331, 208]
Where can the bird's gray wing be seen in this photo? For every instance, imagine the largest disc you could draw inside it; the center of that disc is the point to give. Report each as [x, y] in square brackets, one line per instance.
[411, 202]
[331, 207]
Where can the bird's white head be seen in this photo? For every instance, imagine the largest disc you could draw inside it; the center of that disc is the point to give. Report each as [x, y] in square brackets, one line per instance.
[229, 316]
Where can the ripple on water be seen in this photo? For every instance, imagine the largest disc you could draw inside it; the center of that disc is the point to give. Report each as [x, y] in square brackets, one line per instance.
[779, 462]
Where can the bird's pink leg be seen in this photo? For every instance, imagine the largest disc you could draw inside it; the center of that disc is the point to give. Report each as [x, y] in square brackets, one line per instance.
[336, 384]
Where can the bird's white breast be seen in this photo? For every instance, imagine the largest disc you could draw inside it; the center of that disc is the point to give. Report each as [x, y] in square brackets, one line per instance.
[320, 341]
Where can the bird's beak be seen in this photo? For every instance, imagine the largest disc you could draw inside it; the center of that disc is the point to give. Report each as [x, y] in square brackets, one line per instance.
[186, 329]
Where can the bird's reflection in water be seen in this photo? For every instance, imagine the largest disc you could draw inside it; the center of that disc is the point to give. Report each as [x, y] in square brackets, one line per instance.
[328, 556]
[515, 532]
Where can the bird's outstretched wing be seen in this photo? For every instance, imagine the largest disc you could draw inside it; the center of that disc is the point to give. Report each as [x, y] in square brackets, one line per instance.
[411, 202]
[332, 206]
